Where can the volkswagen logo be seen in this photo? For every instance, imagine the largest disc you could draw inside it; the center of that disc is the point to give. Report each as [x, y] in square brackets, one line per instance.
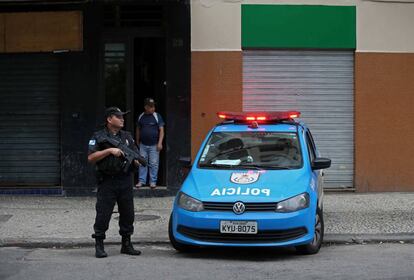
[239, 208]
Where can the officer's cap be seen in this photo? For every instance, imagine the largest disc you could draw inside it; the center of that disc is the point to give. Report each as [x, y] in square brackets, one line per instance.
[110, 111]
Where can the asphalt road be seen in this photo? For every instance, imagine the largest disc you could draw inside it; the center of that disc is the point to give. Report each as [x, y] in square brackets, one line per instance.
[369, 261]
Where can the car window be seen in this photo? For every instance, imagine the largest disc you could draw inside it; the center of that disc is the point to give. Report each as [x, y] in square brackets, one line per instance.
[273, 150]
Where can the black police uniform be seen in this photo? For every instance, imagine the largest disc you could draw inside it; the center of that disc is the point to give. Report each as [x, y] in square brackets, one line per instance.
[114, 185]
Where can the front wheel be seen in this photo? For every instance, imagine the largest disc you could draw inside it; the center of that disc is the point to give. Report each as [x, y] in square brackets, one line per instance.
[315, 245]
[177, 245]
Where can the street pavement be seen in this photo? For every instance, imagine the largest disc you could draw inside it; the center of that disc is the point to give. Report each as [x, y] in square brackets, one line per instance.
[387, 261]
[40, 221]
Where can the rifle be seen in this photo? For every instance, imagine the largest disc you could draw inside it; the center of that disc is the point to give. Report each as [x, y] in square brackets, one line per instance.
[129, 154]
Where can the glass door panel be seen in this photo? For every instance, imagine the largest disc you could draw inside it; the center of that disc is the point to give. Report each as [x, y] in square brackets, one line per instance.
[115, 82]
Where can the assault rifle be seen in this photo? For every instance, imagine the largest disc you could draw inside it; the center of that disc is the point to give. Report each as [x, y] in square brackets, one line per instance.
[129, 154]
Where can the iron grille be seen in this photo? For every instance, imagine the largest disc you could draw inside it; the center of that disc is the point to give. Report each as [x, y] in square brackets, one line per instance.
[250, 207]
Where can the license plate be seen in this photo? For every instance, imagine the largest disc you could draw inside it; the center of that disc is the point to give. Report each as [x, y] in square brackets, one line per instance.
[243, 227]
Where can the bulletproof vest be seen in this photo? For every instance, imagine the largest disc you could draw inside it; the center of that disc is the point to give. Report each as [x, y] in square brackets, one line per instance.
[111, 165]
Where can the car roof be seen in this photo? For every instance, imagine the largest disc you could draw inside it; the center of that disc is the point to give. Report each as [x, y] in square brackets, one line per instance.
[269, 127]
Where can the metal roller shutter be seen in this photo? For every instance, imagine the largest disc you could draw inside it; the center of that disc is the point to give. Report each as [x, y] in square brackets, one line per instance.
[320, 84]
[29, 128]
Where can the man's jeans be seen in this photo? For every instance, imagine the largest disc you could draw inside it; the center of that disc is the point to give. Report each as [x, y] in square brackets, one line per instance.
[152, 156]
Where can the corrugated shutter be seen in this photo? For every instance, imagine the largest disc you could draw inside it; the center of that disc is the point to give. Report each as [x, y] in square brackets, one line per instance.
[320, 84]
[29, 127]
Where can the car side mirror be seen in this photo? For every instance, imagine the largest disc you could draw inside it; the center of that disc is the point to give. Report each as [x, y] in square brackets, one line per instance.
[185, 166]
[320, 163]
[185, 162]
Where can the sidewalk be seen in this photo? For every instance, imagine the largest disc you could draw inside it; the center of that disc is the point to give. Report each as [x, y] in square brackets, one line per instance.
[67, 221]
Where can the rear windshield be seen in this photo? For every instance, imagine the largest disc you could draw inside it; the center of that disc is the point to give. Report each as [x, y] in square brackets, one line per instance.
[262, 150]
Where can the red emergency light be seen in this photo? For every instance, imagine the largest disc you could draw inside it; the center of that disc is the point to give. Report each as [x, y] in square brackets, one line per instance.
[258, 116]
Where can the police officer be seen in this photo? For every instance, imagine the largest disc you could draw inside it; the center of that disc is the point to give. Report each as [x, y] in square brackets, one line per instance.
[114, 184]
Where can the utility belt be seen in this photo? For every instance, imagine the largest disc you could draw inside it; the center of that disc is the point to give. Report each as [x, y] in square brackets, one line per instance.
[122, 177]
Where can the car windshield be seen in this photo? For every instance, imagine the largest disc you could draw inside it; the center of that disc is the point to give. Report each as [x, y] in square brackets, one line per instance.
[252, 150]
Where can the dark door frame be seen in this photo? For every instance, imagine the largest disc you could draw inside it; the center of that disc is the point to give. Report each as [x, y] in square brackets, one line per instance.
[176, 31]
[127, 37]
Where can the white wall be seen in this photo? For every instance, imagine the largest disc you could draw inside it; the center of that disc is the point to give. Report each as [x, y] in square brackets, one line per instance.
[385, 27]
[215, 25]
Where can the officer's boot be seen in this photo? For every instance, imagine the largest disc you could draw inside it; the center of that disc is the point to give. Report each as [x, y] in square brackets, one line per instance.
[99, 248]
[127, 247]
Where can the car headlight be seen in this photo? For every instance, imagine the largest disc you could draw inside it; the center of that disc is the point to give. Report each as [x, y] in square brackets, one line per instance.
[188, 203]
[293, 204]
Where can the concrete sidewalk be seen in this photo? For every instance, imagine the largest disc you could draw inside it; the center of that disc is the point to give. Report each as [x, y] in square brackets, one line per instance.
[67, 221]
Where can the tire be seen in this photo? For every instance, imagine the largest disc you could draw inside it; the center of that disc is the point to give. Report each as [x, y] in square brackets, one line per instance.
[177, 245]
[315, 245]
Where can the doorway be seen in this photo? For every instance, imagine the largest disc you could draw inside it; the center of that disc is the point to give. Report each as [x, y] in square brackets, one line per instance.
[133, 69]
[149, 81]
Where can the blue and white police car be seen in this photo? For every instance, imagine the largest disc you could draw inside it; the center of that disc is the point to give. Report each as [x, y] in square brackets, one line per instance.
[256, 181]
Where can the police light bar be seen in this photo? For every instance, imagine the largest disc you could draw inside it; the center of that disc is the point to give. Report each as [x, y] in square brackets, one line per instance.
[258, 116]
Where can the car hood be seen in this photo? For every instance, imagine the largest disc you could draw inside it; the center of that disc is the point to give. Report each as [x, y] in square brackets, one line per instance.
[247, 186]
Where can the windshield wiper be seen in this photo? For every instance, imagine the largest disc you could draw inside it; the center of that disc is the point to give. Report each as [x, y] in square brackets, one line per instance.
[214, 165]
[277, 167]
[246, 166]
[264, 166]
[233, 166]
[252, 166]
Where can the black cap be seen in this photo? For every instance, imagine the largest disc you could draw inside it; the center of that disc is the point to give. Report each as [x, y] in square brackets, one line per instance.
[114, 111]
[149, 102]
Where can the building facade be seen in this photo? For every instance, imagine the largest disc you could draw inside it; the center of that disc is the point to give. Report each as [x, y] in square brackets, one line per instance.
[347, 65]
[63, 62]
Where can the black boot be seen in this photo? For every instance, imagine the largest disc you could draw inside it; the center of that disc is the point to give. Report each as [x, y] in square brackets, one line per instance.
[127, 247]
[99, 248]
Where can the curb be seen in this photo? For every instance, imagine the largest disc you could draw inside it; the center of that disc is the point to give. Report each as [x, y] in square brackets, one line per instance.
[401, 238]
[329, 239]
[70, 243]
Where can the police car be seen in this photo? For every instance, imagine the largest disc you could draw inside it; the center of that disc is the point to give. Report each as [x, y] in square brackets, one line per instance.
[257, 181]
